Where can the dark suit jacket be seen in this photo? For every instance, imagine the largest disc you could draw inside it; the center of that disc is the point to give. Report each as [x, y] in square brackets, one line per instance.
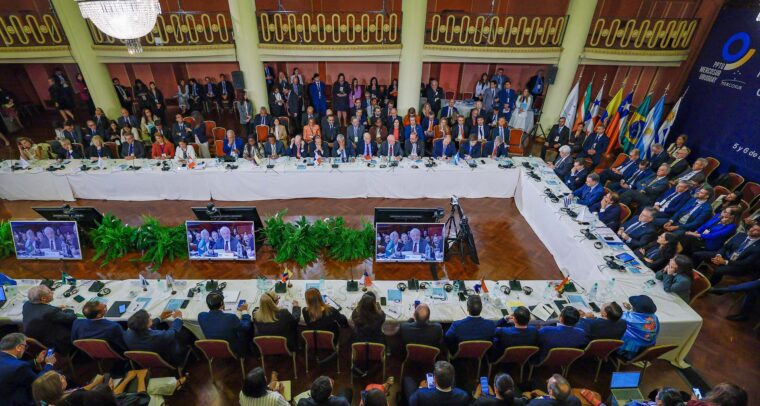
[557, 135]
[16, 377]
[312, 146]
[655, 161]
[355, 133]
[420, 147]
[514, 337]
[163, 342]
[677, 168]
[348, 146]
[455, 134]
[332, 320]
[445, 112]
[487, 150]
[330, 134]
[696, 219]
[748, 259]
[102, 329]
[360, 147]
[468, 329]
[200, 132]
[640, 236]
[495, 133]
[421, 245]
[278, 149]
[560, 336]
[417, 128]
[218, 325]
[486, 131]
[599, 328]
[576, 180]
[563, 168]
[226, 85]
[610, 216]
[588, 196]
[179, 132]
[138, 150]
[285, 326]
[599, 146]
[434, 97]
[219, 243]
[434, 397]
[293, 150]
[439, 152]
[75, 154]
[651, 189]
[386, 148]
[426, 334]
[331, 401]
[48, 324]
[131, 120]
[471, 150]
[675, 203]
[660, 255]
[92, 151]
[691, 176]
[101, 123]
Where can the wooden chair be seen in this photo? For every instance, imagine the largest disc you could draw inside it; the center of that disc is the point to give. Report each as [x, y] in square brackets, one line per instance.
[437, 134]
[730, 181]
[720, 191]
[366, 353]
[467, 95]
[189, 121]
[220, 133]
[515, 144]
[699, 286]
[519, 355]
[274, 345]
[218, 148]
[558, 357]
[98, 350]
[318, 340]
[113, 148]
[151, 360]
[646, 357]
[209, 126]
[285, 120]
[712, 165]
[475, 349]
[262, 131]
[625, 213]
[218, 349]
[34, 347]
[601, 349]
[197, 149]
[450, 95]
[750, 191]
[618, 161]
[420, 354]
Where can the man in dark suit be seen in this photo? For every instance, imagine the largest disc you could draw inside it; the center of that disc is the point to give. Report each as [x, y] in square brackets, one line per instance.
[444, 148]
[355, 131]
[558, 136]
[460, 130]
[195, 94]
[695, 176]
[480, 130]
[297, 147]
[226, 92]
[366, 147]
[51, 325]
[471, 149]
[608, 210]
[635, 179]
[226, 240]
[292, 104]
[393, 116]
[90, 131]
[495, 148]
[50, 240]
[330, 130]
[320, 394]
[124, 98]
[71, 133]
[414, 147]
[318, 148]
[535, 84]
[160, 129]
[132, 149]
[679, 165]
[638, 232]
[577, 175]
[647, 191]
[96, 326]
[434, 95]
[738, 256]
[608, 327]
[126, 118]
[672, 200]
[416, 244]
[514, 331]
[622, 171]
[67, 151]
[180, 130]
[143, 335]
[564, 334]
[217, 325]
[449, 112]
[263, 118]
[310, 114]
[691, 215]
[444, 393]
[342, 149]
[501, 130]
[657, 155]
[559, 393]
[595, 146]
[507, 98]
[391, 148]
[472, 327]
[591, 192]
[421, 330]
[16, 375]
[273, 148]
[428, 126]
[563, 163]
[318, 94]
[413, 127]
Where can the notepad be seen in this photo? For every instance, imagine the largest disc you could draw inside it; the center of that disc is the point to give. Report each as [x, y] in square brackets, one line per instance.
[394, 295]
[543, 312]
[514, 304]
[174, 304]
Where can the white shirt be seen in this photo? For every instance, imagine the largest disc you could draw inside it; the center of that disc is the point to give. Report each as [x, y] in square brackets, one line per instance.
[180, 155]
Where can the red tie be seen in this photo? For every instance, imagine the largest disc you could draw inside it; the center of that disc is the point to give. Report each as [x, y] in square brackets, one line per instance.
[390, 152]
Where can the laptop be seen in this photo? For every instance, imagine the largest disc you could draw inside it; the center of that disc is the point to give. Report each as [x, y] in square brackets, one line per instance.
[625, 387]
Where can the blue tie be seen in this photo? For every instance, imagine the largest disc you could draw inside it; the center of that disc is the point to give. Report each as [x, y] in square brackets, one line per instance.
[129, 152]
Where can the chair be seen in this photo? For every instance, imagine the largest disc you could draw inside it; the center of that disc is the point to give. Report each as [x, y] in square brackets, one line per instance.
[475, 349]
[515, 144]
[219, 148]
[320, 340]
[750, 192]
[274, 345]
[219, 133]
[625, 213]
[79, 147]
[285, 120]
[189, 121]
[450, 95]
[519, 355]
[712, 165]
[366, 352]
[618, 161]
[559, 357]
[210, 124]
[113, 148]
[420, 354]
[151, 360]
[197, 149]
[720, 191]
[730, 180]
[218, 349]
[601, 350]
[466, 95]
[437, 132]
[262, 131]
[98, 350]
[699, 286]
[646, 357]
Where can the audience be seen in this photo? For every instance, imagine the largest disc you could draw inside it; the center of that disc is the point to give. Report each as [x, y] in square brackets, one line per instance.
[658, 253]
[420, 330]
[368, 318]
[564, 334]
[514, 331]
[16, 375]
[444, 393]
[50, 325]
[642, 326]
[96, 326]
[321, 394]
[503, 393]
[144, 334]
[559, 393]
[320, 316]
[722, 394]
[256, 392]
[638, 232]
[473, 327]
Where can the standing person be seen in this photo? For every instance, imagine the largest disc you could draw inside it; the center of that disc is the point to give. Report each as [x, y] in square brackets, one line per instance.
[124, 98]
[277, 102]
[481, 86]
[340, 92]
[226, 93]
[61, 102]
[269, 76]
[245, 113]
[156, 98]
[183, 96]
[523, 103]
[392, 91]
[80, 87]
[536, 84]
[434, 95]
[199, 135]
[317, 94]
[374, 89]
[282, 80]
[141, 95]
[196, 94]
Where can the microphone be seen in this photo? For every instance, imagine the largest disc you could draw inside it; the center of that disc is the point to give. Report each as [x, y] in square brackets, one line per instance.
[352, 285]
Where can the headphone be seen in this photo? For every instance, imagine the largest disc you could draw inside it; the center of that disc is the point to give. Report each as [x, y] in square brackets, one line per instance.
[505, 289]
[70, 292]
[527, 290]
[104, 292]
[424, 285]
[401, 286]
[610, 261]
[598, 245]
[448, 287]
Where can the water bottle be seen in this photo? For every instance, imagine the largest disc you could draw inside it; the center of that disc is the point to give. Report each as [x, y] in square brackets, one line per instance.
[593, 292]
[322, 284]
[548, 291]
[610, 288]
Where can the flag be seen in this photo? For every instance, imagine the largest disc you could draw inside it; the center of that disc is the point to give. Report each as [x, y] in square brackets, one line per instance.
[635, 125]
[612, 106]
[653, 120]
[664, 131]
[455, 161]
[286, 275]
[483, 287]
[582, 109]
[593, 111]
[618, 122]
[367, 279]
[571, 105]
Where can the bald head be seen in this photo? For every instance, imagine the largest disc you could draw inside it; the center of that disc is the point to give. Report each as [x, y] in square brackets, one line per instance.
[422, 314]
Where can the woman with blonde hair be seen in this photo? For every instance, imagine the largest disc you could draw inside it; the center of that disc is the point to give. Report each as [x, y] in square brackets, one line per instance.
[318, 315]
[271, 320]
[98, 149]
[27, 149]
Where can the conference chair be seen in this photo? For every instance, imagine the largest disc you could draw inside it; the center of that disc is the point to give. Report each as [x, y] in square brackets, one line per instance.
[601, 349]
[450, 95]
[197, 149]
[515, 141]
[79, 147]
[98, 350]
[558, 357]
[319, 340]
[618, 161]
[646, 357]
[219, 148]
[151, 360]
[274, 345]
[719, 191]
[625, 213]
[210, 124]
[285, 120]
[730, 180]
[262, 131]
[113, 148]
[699, 286]
[218, 349]
[365, 353]
[712, 165]
[190, 121]
[519, 355]
[466, 95]
[420, 354]
[750, 191]
[474, 349]
[437, 134]
[34, 347]
[220, 133]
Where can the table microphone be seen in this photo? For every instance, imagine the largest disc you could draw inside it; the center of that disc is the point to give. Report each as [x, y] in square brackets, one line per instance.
[352, 285]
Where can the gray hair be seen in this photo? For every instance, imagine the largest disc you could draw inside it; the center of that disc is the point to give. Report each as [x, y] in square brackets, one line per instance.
[667, 168]
[340, 137]
[565, 148]
[36, 293]
[656, 146]
[559, 387]
[11, 341]
[499, 139]
[703, 161]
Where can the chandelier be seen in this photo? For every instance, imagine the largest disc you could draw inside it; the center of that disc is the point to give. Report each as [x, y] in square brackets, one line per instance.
[127, 20]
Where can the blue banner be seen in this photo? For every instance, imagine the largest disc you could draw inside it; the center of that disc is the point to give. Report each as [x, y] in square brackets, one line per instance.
[721, 110]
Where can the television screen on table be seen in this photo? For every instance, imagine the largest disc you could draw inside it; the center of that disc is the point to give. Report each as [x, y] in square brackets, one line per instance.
[409, 242]
[221, 240]
[46, 239]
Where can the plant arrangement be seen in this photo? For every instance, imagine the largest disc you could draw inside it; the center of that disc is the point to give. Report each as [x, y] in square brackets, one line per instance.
[158, 242]
[6, 240]
[112, 239]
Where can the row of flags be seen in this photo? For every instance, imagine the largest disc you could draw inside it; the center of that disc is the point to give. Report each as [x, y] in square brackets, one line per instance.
[638, 129]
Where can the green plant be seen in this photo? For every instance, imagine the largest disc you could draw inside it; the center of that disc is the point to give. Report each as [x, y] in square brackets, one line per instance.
[347, 244]
[159, 242]
[112, 239]
[6, 240]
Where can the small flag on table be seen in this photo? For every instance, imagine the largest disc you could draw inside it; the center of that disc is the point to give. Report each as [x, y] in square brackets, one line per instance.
[483, 287]
[286, 275]
[367, 279]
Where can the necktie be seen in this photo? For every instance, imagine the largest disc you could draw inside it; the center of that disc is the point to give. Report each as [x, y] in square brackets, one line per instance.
[414, 149]
[560, 162]
[52, 244]
[480, 132]
[461, 131]
[130, 149]
[668, 199]
[633, 227]
[390, 151]
[226, 246]
[747, 242]
[449, 112]
[501, 132]
[414, 248]
[366, 149]
[686, 216]
[634, 177]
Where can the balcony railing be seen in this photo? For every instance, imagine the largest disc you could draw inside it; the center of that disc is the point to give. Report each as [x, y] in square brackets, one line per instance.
[296, 28]
[651, 34]
[31, 29]
[183, 29]
[487, 30]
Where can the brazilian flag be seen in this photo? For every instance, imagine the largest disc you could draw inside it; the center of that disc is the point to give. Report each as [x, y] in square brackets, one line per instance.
[636, 125]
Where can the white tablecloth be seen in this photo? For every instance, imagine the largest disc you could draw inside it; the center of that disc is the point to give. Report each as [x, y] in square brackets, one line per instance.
[34, 184]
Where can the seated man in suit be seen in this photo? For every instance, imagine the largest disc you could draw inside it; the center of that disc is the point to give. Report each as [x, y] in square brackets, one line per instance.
[444, 393]
[330, 130]
[514, 331]
[414, 147]
[480, 130]
[428, 126]
[132, 149]
[355, 131]
[679, 165]
[233, 145]
[608, 210]
[564, 334]
[472, 327]
[96, 326]
[310, 114]
[90, 131]
[449, 112]
[577, 175]
[420, 330]
[739, 256]
[564, 162]
[342, 149]
[49, 324]
[634, 180]
[143, 335]
[217, 325]
[297, 147]
[263, 118]
[16, 375]
[608, 327]
[318, 148]
[68, 152]
[595, 146]
[648, 190]
[444, 148]
[501, 130]
[590, 193]
[495, 148]
[391, 149]
[622, 171]
[181, 130]
[226, 241]
[415, 244]
[413, 127]
[460, 130]
[273, 148]
[692, 215]
[671, 201]
[471, 149]
[695, 176]
[658, 155]
[367, 147]
[558, 136]
[638, 232]
[559, 393]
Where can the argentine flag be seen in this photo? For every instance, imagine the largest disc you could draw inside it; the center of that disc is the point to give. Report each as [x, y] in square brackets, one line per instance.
[653, 120]
[664, 131]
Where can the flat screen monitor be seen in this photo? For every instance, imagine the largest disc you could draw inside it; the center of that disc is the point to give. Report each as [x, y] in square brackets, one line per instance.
[87, 217]
[221, 240]
[242, 213]
[409, 242]
[46, 240]
[408, 214]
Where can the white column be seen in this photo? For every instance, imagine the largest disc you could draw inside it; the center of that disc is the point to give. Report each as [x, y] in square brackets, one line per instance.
[414, 15]
[245, 28]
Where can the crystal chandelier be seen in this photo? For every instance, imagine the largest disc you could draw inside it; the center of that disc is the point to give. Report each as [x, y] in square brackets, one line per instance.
[127, 20]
